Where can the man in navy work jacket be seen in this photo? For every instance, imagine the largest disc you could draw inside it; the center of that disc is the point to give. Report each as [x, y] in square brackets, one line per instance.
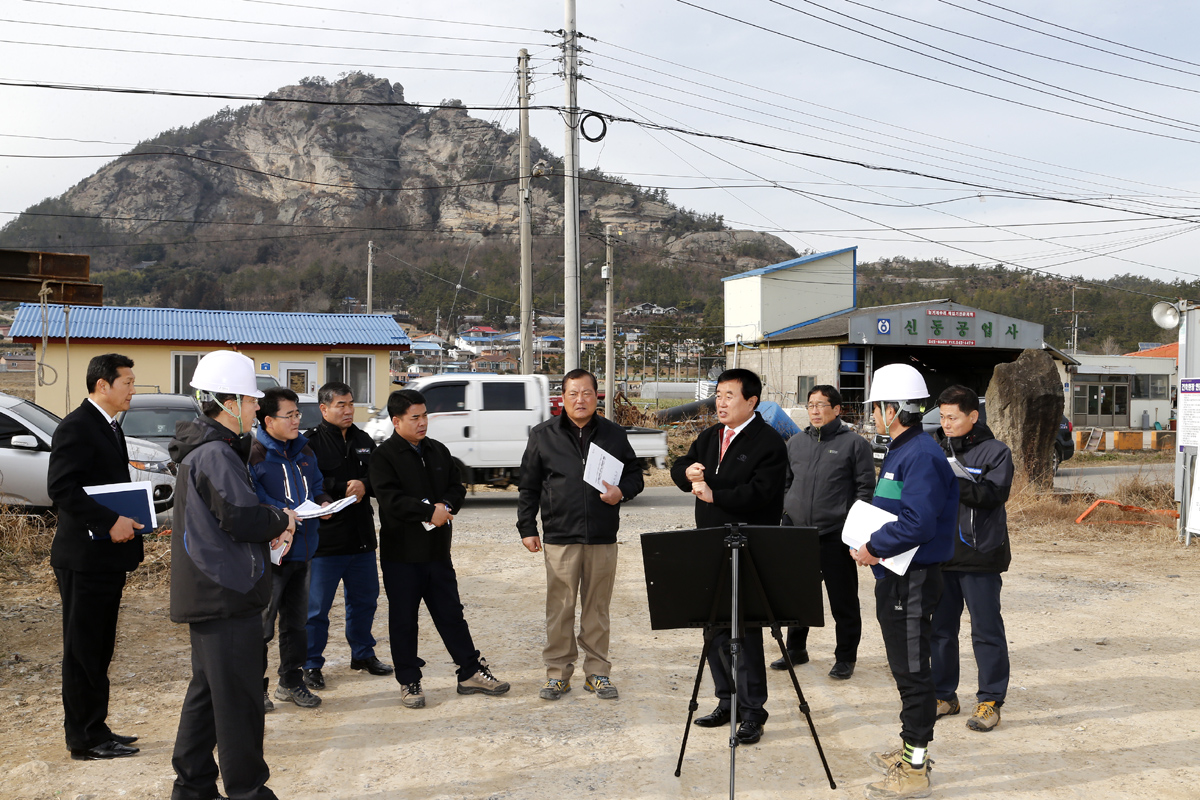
[93, 549]
[981, 554]
[917, 485]
[285, 476]
[736, 470]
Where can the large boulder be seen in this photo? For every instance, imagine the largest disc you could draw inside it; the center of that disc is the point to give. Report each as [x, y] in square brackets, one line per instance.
[1024, 408]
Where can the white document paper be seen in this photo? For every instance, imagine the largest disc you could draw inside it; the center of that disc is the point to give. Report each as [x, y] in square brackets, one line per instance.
[277, 554]
[310, 510]
[959, 470]
[862, 522]
[602, 465]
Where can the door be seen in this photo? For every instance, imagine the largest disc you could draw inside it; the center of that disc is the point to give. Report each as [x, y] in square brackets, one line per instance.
[449, 419]
[507, 414]
[299, 376]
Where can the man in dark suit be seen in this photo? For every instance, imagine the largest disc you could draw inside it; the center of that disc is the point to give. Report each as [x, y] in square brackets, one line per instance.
[93, 550]
[736, 470]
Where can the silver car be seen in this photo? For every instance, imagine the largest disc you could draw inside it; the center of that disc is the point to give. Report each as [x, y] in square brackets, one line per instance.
[26, 430]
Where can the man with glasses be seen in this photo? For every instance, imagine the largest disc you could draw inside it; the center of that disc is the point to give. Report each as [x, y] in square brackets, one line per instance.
[829, 467]
[346, 550]
[285, 475]
[579, 527]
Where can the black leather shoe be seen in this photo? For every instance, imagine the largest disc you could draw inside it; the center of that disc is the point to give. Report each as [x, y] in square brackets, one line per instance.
[100, 752]
[798, 657]
[314, 678]
[842, 670]
[372, 665]
[718, 717]
[116, 737]
[749, 732]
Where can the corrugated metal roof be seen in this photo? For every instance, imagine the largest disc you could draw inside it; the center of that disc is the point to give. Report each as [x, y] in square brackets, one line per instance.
[838, 324]
[232, 327]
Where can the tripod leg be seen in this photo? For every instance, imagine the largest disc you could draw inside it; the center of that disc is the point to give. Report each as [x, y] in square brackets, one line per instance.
[778, 634]
[692, 705]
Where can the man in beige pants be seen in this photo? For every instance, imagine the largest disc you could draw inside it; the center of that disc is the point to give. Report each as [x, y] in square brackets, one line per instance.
[579, 526]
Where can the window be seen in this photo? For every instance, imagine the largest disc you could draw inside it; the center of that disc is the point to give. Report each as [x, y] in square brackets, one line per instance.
[183, 367]
[8, 429]
[355, 372]
[499, 396]
[804, 385]
[1150, 387]
[445, 397]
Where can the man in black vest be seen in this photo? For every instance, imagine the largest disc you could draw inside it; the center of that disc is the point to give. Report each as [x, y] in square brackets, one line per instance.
[736, 471]
[93, 550]
[346, 551]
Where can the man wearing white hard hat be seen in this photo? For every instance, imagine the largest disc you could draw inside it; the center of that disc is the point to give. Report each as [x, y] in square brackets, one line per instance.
[220, 583]
[917, 485]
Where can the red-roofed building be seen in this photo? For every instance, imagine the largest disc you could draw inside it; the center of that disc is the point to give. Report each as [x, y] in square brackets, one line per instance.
[1162, 351]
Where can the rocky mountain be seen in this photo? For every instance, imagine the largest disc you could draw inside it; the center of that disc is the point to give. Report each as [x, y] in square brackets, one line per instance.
[356, 151]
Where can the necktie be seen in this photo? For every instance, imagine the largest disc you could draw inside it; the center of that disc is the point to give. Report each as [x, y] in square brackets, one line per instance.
[725, 440]
[116, 430]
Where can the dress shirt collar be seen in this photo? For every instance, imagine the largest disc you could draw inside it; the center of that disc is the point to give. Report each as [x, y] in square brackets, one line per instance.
[103, 413]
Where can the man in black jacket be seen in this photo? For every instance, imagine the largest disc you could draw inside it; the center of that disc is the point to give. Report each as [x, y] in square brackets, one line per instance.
[93, 549]
[981, 554]
[579, 523]
[220, 584]
[419, 489]
[829, 467]
[346, 550]
[736, 470]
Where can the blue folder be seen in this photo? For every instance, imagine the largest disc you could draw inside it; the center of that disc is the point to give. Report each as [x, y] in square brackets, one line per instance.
[133, 500]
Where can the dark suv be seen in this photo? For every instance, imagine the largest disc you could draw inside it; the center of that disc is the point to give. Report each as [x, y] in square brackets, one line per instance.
[931, 421]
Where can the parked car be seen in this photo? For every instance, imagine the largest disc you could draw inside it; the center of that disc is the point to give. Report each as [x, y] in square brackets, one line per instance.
[26, 431]
[931, 422]
[153, 416]
[379, 427]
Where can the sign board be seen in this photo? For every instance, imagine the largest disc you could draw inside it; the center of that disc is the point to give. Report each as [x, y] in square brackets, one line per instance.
[945, 325]
[1189, 413]
[264, 366]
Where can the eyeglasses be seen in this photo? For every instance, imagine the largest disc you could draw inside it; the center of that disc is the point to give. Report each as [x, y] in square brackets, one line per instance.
[818, 406]
[292, 417]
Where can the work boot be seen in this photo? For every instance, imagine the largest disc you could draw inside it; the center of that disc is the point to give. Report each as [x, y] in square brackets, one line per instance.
[903, 781]
[882, 762]
[411, 695]
[267, 704]
[483, 682]
[947, 708]
[554, 689]
[300, 695]
[602, 686]
[985, 718]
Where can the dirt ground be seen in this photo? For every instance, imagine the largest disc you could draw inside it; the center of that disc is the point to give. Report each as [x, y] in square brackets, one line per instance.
[1103, 702]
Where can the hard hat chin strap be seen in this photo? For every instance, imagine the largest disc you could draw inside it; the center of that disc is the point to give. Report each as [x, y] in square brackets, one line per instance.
[238, 416]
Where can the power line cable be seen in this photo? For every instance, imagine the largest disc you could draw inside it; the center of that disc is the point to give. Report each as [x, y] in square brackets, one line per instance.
[941, 82]
[393, 16]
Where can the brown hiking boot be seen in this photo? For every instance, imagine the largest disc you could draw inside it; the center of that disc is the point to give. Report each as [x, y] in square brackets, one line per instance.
[947, 708]
[903, 781]
[411, 695]
[483, 682]
[882, 762]
[985, 718]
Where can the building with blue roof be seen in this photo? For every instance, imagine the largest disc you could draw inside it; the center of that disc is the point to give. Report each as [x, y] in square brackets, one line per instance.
[298, 350]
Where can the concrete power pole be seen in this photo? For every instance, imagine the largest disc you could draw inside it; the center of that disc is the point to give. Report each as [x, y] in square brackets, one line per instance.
[571, 313]
[525, 223]
[370, 273]
[610, 366]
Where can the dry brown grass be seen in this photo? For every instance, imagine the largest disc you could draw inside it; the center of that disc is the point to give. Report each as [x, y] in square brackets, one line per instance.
[25, 545]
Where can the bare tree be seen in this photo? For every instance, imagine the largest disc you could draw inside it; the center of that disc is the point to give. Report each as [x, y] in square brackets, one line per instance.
[1109, 347]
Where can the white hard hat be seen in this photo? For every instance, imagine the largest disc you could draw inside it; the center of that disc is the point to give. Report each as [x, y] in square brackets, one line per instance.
[226, 372]
[897, 383]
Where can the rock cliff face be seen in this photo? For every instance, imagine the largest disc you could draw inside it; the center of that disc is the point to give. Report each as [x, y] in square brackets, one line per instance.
[325, 163]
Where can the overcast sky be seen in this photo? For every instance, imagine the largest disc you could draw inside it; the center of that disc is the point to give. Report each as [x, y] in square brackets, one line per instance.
[1058, 136]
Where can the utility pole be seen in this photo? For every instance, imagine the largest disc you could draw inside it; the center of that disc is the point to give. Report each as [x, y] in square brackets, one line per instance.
[525, 222]
[370, 273]
[1074, 312]
[610, 366]
[571, 195]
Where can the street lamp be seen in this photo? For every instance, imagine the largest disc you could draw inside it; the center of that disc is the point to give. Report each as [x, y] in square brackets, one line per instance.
[1169, 316]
